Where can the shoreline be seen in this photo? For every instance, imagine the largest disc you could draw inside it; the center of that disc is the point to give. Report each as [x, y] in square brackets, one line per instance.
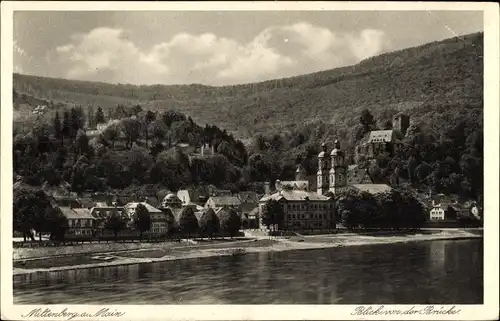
[279, 245]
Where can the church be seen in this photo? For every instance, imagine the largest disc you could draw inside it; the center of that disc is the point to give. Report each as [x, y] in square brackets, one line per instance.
[307, 208]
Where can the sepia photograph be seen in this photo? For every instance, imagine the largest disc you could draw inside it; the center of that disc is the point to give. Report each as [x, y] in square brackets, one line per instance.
[249, 157]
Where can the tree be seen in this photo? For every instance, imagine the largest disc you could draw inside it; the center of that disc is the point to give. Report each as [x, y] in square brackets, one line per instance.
[30, 211]
[209, 223]
[130, 127]
[99, 116]
[450, 213]
[57, 126]
[158, 130]
[66, 125]
[188, 223]
[82, 142]
[57, 224]
[136, 110]
[366, 119]
[272, 213]
[411, 210]
[412, 165]
[90, 117]
[422, 171]
[148, 118]
[76, 122]
[115, 222]
[111, 134]
[230, 222]
[142, 219]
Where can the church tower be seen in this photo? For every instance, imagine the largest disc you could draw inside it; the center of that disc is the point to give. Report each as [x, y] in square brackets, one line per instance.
[338, 171]
[323, 170]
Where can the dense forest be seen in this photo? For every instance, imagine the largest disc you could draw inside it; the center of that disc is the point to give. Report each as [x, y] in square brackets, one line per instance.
[271, 126]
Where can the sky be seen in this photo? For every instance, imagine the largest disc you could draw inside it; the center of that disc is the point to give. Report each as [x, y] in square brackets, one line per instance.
[218, 47]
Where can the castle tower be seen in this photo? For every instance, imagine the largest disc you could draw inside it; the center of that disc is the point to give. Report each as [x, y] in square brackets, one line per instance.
[322, 174]
[300, 174]
[401, 122]
[338, 171]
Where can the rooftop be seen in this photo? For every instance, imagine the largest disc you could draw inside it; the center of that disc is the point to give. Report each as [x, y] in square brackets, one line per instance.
[373, 188]
[150, 208]
[76, 213]
[356, 175]
[378, 136]
[295, 195]
[303, 185]
[226, 200]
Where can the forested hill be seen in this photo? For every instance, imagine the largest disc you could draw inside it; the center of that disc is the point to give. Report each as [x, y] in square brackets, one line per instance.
[428, 78]
[440, 85]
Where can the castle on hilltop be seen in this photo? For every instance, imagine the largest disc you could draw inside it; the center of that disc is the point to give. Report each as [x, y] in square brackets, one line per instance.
[379, 142]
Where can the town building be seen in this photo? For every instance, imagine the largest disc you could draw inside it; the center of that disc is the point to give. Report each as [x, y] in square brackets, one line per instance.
[198, 196]
[357, 175]
[249, 203]
[172, 200]
[160, 221]
[80, 221]
[373, 188]
[303, 210]
[436, 214]
[224, 201]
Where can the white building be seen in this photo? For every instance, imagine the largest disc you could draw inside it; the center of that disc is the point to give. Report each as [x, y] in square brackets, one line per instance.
[436, 213]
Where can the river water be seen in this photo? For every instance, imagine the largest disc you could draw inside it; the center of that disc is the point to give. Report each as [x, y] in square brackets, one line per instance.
[436, 272]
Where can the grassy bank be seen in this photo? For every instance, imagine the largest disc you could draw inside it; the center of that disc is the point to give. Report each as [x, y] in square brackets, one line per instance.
[97, 248]
[228, 248]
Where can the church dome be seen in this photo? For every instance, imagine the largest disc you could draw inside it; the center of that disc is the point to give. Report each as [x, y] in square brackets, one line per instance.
[336, 152]
[336, 149]
[323, 151]
[171, 199]
[171, 196]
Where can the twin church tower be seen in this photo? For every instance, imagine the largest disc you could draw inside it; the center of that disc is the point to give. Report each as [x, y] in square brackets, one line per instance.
[332, 170]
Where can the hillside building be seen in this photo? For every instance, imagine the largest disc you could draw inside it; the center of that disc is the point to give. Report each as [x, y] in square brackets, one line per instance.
[379, 142]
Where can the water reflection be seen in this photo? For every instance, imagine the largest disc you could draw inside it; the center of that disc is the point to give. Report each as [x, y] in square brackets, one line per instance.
[437, 272]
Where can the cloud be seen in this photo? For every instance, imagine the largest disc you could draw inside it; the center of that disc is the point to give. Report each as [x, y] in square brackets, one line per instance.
[107, 54]
[19, 55]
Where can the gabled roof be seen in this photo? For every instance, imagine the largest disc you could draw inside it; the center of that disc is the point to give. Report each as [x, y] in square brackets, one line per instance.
[196, 193]
[225, 200]
[86, 202]
[248, 197]
[76, 213]
[101, 205]
[150, 208]
[356, 175]
[378, 136]
[295, 195]
[301, 185]
[373, 188]
[351, 167]
[223, 192]
[254, 212]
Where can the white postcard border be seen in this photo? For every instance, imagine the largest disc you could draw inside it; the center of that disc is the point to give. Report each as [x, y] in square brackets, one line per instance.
[487, 311]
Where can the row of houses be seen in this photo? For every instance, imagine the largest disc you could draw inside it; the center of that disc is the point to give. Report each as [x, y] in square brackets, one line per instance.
[87, 214]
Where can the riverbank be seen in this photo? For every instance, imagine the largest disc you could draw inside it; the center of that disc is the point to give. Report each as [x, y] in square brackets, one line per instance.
[167, 252]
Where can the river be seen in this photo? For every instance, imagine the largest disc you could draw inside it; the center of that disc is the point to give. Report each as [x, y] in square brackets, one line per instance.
[436, 272]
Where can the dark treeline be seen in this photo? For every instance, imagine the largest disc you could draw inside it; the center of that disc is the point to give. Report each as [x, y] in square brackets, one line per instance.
[444, 155]
[136, 147]
[140, 147]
